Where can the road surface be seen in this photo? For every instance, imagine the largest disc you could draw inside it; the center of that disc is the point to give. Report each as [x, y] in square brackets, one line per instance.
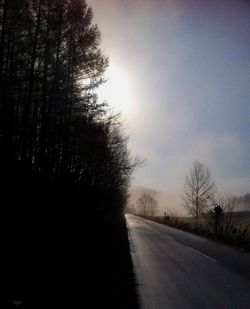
[176, 269]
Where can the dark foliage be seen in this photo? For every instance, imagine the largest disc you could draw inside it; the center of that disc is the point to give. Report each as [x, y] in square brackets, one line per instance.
[64, 163]
[52, 129]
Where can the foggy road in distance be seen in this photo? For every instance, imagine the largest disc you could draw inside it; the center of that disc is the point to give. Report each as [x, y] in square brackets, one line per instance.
[176, 269]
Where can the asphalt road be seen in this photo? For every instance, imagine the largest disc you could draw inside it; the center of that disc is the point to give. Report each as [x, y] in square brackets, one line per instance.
[176, 269]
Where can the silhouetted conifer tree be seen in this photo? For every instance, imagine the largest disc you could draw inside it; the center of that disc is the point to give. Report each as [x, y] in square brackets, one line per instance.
[53, 131]
[63, 158]
[56, 139]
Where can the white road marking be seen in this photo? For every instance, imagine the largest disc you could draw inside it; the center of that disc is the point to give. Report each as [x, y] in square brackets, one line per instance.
[202, 254]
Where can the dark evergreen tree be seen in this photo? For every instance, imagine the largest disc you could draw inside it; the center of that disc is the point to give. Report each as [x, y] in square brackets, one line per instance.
[62, 157]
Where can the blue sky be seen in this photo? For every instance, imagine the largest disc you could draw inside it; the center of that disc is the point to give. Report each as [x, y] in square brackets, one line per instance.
[186, 71]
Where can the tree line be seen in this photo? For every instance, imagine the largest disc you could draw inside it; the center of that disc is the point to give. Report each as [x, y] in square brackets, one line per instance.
[54, 133]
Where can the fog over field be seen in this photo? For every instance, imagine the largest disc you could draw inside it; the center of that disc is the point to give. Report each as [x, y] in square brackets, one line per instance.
[171, 202]
[167, 202]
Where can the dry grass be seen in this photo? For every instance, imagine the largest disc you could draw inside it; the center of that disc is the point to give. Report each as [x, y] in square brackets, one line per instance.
[234, 228]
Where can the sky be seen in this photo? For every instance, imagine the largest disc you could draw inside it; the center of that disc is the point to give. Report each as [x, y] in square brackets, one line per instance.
[180, 74]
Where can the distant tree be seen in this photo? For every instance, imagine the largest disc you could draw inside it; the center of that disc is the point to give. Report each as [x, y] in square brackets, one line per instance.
[130, 208]
[147, 205]
[242, 202]
[199, 190]
[247, 200]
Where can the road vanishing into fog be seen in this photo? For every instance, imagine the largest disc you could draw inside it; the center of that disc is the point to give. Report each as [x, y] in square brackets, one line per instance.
[176, 269]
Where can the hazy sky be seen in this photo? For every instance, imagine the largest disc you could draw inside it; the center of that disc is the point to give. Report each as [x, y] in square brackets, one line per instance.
[180, 72]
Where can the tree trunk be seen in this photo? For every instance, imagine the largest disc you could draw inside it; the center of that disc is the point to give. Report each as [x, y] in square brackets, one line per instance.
[28, 103]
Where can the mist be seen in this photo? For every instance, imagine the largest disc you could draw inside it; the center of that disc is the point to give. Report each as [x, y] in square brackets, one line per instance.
[189, 67]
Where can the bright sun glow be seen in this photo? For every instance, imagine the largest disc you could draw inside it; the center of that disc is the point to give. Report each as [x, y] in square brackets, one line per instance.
[118, 90]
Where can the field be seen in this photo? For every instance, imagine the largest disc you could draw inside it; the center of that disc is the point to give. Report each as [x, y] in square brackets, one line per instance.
[233, 227]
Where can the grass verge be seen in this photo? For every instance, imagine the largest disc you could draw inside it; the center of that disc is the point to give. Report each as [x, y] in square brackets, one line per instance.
[237, 235]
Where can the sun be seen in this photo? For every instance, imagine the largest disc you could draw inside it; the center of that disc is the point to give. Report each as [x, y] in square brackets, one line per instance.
[118, 89]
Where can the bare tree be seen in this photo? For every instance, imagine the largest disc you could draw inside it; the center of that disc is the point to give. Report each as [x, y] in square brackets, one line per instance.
[199, 189]
[130, 208]
[147, 205]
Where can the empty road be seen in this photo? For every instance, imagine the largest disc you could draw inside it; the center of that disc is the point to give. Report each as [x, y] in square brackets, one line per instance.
[176, 269]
